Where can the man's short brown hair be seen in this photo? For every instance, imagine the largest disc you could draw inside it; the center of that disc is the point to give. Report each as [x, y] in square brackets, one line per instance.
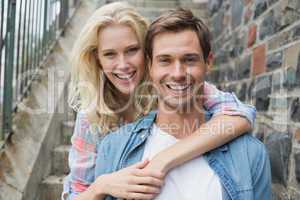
[176, 21]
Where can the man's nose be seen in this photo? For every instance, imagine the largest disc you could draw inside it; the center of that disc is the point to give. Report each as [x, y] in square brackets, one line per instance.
[178, 71]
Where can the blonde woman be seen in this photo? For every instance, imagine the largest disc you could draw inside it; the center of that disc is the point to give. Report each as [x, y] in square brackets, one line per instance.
[110, 87]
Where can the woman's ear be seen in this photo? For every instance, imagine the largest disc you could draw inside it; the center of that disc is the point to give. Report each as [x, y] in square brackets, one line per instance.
[95, 52]
[96, 55]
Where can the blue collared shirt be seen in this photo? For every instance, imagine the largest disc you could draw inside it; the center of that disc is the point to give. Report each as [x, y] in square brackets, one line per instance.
[242, 165]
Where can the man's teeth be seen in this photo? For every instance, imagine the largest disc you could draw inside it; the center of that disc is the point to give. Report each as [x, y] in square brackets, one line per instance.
[179, 87]
[125, 76]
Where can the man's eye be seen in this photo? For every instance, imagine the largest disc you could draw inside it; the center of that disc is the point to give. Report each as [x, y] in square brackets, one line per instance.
[164, 61]
[190, 60]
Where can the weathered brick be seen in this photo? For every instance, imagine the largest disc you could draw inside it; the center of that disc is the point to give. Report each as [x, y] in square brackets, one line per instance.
[242, 91]
[259, 60]
[288, 13]
[230, 73]
[251, 91]
[269, 26]
[231, 88]
[214, 75]
[261, 92]
[291, 56]
[248, 15]
[237, 8]
[247, 2]
[214, 6]
[221, 57]
[297, 166]
[296, 33]
[271, 2]
[217, 24]
[274, 60]
[279, 103]
[297, 137]
[252, 35]
[295, 110]
[279, 148]
[237, 44]
[298, 73]
[279, 40]
[260, 7]
[290, 78]
[277, 81]
[243, 68]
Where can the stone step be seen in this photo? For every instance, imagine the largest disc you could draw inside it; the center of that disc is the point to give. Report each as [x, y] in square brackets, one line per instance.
[67, 128]
[60, 160]
[51, 188]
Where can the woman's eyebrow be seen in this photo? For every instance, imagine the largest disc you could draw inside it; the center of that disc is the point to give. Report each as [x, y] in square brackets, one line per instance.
[133, 45]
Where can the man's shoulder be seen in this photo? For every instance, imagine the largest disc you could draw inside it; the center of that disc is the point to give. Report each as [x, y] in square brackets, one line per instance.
[248, 146]
[248, 141]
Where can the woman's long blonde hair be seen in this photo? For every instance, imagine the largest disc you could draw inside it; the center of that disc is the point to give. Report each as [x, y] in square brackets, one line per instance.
[89, 88]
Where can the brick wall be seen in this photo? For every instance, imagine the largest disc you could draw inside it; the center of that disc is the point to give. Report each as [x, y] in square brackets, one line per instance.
[257, 55]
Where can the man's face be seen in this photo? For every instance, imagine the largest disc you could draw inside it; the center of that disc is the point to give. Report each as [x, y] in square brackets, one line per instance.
[178, 68]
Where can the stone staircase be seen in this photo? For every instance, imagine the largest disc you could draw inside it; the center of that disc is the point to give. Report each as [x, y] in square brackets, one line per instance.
[51, 187]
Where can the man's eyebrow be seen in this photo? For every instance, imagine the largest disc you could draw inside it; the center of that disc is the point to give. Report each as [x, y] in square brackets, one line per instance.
[192, 55]
[162, 56]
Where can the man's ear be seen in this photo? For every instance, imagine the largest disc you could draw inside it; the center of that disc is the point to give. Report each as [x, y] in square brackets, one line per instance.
[209, 61]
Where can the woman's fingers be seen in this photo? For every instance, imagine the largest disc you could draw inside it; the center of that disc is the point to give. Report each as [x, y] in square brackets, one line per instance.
[147, 189]
[141, 164]
[150, 173]
[147, 181]
[140, 196]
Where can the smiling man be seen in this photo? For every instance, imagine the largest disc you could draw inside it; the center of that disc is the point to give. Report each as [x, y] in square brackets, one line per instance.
[178, 52]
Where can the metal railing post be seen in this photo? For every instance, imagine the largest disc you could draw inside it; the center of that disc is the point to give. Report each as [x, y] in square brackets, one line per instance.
[45, 34]
[8, 71]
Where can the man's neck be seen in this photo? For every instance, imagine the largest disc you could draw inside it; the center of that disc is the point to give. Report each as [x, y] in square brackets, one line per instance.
[180, 124]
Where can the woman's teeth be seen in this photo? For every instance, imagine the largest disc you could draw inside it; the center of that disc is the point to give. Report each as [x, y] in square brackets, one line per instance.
[125, 76]
[178, 87]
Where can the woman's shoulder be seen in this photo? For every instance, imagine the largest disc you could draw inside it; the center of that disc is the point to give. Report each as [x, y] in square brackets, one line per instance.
[85, 129]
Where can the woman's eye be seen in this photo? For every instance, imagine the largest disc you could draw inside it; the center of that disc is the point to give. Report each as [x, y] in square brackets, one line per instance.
[132, 50]
[109, 54]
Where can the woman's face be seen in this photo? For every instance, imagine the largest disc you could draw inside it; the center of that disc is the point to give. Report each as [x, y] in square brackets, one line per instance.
[121, 57]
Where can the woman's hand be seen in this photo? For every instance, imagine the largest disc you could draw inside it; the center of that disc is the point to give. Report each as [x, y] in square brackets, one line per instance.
[158, 164]
[132, 182]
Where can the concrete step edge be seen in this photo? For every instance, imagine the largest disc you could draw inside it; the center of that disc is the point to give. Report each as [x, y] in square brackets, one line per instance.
[54, 179]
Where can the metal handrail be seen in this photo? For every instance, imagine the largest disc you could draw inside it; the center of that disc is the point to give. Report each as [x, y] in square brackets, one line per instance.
[28, 31]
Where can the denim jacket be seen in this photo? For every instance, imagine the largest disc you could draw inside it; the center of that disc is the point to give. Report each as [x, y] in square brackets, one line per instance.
[242, 165]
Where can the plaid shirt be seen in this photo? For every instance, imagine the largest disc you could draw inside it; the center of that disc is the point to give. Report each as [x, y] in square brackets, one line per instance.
[82, 154]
